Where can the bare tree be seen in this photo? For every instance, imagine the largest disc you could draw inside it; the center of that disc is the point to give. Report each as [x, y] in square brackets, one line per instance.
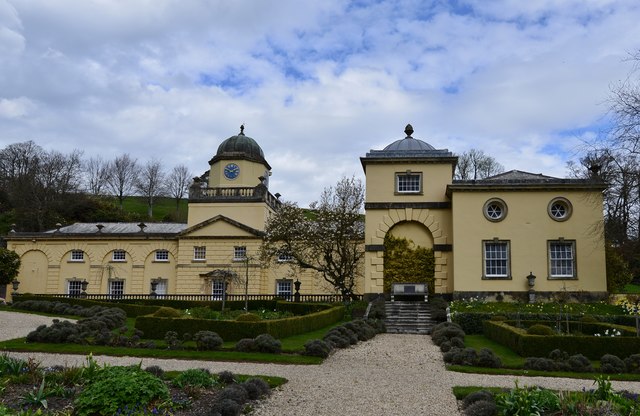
[474, 164]
[124, 171]
[150, 183]
[178, 183]
[96, 175]
[38, 185]
[327, 239]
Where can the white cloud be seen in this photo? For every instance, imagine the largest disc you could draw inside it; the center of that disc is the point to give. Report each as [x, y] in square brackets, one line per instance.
[318, 84]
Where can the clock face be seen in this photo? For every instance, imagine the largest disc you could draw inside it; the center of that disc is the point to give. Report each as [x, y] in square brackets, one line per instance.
[231, 171]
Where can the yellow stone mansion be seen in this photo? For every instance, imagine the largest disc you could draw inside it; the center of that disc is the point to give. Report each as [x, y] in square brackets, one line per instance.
[487, 235]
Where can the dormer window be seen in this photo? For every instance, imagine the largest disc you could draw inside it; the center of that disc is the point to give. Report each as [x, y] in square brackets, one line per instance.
[409, 182]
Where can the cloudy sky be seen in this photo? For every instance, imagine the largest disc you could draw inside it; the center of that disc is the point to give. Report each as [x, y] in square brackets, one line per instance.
[316, 83]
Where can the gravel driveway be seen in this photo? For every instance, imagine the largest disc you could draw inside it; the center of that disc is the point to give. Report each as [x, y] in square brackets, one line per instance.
[389, 375]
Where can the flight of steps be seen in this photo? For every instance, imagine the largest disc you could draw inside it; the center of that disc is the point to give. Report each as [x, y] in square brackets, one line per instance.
[404, 317]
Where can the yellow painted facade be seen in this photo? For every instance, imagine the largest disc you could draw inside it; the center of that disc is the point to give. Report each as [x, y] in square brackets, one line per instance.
[487, 235]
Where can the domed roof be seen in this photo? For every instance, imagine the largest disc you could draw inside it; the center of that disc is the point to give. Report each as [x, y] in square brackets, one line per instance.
[409, 144]
[240, 147]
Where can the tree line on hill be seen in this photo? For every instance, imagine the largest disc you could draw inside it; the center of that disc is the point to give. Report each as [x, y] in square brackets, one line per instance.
[40, 188]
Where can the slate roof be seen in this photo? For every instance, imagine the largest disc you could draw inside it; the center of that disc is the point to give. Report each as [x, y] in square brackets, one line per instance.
[120, 228]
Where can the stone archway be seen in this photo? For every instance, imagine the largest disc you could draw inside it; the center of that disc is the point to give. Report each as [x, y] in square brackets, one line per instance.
[408, 256]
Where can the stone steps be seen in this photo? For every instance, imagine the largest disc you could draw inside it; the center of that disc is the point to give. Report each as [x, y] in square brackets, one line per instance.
[404, 317]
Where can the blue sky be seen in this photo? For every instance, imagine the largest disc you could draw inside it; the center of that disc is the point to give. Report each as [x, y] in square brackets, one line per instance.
[317, 83]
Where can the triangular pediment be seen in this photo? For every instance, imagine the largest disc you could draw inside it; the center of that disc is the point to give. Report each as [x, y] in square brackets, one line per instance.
[221, 226]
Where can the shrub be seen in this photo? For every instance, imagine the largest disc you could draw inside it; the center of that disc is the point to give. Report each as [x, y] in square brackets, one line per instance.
[196, 377]
[114, 388]
[207, 340]
[166, 312]
[267, 343]
[632, 363]
[246, 345]
[226, 377]
[317, 348]
[540, 364]
[580, 364]
[482, 408]
[499, 318]
[487, 358]
[445, 346]
[559, 355]
[236, 393]
[588, 319]
[345, 333]
[477, 396]
[460, 356]
[441, 334]
[172, 341]
[226, 407]
[540, 329]
[336, 340]
[377, 311]
[256, 388]
[611, 364]
[155, 370]
[248, 317]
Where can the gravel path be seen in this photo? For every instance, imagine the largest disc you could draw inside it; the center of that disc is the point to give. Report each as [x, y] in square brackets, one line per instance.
[389, 375]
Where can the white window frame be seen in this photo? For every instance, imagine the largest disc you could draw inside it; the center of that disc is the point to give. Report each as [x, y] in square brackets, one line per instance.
[116, 287]
[239, 253]
[119, 256]
[562, 262]
[496, 264]
[217, 289]
[74, 287]
[284, 288]
[199, 253]
[77, 256]
[161, 255]
[406, 182]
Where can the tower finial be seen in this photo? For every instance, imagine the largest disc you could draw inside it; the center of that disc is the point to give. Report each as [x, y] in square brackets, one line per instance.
[408, 130]
[242, 129]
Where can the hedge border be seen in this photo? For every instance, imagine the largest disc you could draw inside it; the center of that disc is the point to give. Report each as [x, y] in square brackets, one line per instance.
[156, 327]
[527, 345]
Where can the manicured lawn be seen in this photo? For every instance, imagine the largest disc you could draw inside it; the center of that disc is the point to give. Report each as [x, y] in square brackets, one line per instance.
[509, 358]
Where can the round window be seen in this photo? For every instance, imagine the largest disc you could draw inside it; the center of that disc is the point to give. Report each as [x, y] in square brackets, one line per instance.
[495, 209]
[559, 209]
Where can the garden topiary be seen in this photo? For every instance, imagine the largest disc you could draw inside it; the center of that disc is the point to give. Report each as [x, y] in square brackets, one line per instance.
[336, 340]
[268, 344]
[236, 393]
[540, 329]
[256, 388]
[487, 358]
[461, 356]
[317, 348]
[588, 319]
[482, 408]
[611, 364]
[166, 312]
[442, 333]
[559, 355]
[246, 345]
[226, 407]
[248, 317]
[540, 364]
[226, 377]
[632, 363]
[477, 396]
[580, 364]
[207, 340]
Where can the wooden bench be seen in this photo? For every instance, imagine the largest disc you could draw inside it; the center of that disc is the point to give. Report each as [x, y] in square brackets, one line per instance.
[409, 289]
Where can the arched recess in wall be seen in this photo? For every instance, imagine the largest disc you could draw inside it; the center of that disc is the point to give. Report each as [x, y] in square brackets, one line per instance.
[408, 256]
[33, 272]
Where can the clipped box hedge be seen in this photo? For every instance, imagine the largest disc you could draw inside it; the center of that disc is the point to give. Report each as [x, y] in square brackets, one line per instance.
[132, 310]
[156, 328]
[592, 347]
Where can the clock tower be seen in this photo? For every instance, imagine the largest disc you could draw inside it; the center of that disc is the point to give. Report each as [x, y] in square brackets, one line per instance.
[238, 163]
